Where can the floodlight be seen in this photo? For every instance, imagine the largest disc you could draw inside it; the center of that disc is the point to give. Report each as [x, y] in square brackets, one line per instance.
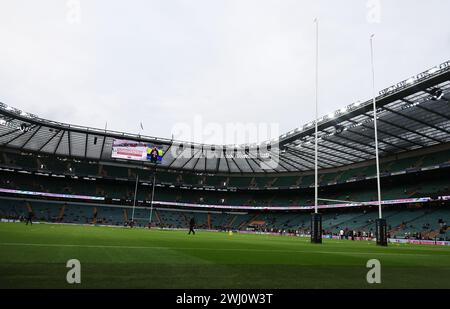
[437, 94]
[338, 129]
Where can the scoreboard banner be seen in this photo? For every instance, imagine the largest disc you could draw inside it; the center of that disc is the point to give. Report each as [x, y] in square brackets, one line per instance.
[138, 151]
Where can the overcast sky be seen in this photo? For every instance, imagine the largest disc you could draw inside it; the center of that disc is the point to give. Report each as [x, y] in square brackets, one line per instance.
[168, 62]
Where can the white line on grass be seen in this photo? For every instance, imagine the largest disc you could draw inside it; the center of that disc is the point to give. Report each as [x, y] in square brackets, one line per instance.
[210, 249]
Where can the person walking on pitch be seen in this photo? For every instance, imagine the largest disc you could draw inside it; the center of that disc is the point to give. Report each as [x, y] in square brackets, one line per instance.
[191, 226]
[29, 217]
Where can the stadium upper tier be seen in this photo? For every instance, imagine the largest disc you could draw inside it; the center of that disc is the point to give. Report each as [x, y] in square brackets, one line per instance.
[432, 158]
[412, 114]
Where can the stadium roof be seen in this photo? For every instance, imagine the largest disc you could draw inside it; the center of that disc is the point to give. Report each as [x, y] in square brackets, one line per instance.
[412, 114]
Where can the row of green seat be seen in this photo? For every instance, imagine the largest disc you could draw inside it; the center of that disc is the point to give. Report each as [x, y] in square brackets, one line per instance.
[402, 221]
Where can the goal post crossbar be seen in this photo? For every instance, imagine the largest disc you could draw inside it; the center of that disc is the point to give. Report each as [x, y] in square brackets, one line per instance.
[339, 201]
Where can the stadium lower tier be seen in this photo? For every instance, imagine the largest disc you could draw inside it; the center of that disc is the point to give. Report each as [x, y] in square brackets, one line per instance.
[418, 185]
[404, 221]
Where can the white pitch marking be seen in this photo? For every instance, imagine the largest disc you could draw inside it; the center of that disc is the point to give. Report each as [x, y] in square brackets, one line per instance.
[210, 249]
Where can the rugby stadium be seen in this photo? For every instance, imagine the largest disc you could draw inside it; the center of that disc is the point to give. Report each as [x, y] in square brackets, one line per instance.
[122, 203]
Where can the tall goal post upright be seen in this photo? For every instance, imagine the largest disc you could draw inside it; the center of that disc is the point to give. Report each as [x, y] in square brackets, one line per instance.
[380, 224]
[135, 196]
[316, 217]
[152, 199]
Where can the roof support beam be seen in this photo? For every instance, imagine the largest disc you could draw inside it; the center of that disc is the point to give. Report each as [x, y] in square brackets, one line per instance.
[176, 158]
[10, 132]
[292, 162]
[361, 143]
[303, 156]
[234, 161]
[197, 158]
[433, 112]
[348, 146]
[293, 153]
[86, 146]
[59, 141]
[226, 159]
[185, 163]
[246, 161]
[48, 141]
[352, 154]
[173, 161]
[410, 131]
[416, 120]
[29, 139]
[167, 150]
[17, 136]
[164, 153]
[381, 130]
[386, 132]
[218, 164]
[323, 158]
[284, 160]
[343, 151]
[254, 160]
[103, 147]
[379, 140]
[68, 143]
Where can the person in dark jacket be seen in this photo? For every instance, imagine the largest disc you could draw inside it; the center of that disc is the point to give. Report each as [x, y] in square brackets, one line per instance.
[30, 217]
[191, 226]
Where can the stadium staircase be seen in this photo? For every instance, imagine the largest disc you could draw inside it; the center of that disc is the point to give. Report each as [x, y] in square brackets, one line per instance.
[247, 222]
[320, 179]
[371, 221]
[61, 213]
[393, 232]
[3, 158]
[186, 219]
[344, 224]
[419, 162]
[404, 225]
[94, 215]
[158, 217]
[125, 215]
[432, 234]
[230, 223]
[271, 182]
[413, 191]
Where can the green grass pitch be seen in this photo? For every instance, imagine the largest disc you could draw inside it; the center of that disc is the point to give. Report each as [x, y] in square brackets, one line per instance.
[35, 257]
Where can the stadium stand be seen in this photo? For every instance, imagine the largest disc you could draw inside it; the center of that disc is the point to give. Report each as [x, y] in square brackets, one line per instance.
[70, 173]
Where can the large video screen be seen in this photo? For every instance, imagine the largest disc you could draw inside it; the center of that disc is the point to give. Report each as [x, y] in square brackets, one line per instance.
[131, 150]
